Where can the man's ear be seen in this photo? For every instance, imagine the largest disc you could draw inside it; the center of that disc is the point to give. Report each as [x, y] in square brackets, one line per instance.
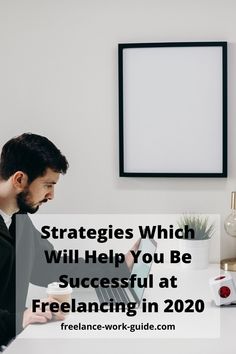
[19, 180]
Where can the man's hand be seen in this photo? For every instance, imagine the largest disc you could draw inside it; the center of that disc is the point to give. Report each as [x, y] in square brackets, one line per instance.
[30, 317]
[129, 259]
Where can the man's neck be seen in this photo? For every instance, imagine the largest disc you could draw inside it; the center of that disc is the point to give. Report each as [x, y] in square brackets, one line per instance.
[8, 203]
[7, 207]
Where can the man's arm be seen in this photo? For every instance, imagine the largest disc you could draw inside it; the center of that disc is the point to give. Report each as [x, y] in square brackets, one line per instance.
[7, 327]
[7, 290]
[44, 273]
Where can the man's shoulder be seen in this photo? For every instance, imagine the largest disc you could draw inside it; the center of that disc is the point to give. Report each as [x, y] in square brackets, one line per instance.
[4, 244]
[6, 240]
[24, 228]
[22, 219]
[6, 251]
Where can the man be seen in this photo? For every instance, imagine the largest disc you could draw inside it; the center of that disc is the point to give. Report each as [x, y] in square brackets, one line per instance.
[30, 167]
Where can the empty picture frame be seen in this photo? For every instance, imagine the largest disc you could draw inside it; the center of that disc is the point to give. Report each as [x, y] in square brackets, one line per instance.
[173, 109]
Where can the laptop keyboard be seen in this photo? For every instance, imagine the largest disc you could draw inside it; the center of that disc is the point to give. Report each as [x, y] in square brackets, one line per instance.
[117, 294]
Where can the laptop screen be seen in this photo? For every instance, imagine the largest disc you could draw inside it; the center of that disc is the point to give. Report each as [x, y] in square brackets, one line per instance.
[140, 268]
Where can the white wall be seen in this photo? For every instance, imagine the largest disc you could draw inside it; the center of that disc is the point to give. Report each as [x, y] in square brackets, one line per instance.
[58, 77]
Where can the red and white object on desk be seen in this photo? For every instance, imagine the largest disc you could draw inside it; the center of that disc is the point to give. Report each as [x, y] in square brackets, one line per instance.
[223, 289]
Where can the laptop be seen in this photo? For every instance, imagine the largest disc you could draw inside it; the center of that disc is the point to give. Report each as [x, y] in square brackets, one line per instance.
[119, 294]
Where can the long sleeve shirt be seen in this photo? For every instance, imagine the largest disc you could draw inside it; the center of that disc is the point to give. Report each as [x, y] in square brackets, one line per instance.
[23, 261]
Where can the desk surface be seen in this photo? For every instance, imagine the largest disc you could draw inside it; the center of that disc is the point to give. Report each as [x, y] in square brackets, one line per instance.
[217, 339]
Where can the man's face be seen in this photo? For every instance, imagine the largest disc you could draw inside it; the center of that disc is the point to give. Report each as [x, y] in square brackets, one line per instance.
[39, 191]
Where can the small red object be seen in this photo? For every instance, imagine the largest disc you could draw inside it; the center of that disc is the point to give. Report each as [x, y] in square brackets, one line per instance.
[224, 292]
[220, 277]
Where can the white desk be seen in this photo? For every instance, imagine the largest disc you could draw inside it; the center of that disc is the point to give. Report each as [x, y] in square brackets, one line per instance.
[38, 338]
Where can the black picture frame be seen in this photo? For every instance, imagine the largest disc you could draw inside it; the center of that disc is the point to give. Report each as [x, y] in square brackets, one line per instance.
[135, 62]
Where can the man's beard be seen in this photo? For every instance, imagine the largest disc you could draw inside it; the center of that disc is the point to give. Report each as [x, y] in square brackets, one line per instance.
[24, 205]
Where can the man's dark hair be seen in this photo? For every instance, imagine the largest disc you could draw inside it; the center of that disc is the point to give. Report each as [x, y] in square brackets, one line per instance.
[31, 154]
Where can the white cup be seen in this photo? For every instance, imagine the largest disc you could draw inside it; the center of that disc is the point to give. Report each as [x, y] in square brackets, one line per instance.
[60, 294]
